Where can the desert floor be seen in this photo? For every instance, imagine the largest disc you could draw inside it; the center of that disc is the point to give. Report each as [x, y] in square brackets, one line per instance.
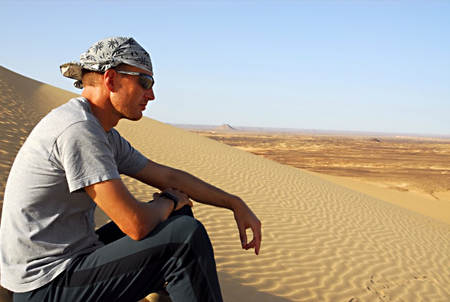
[385, 164]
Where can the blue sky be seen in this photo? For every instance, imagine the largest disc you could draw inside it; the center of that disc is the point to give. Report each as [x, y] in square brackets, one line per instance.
[379, 66]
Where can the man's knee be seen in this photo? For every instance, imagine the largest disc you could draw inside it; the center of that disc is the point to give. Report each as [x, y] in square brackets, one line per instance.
[189, 229]
[186, 210]
[186, 224]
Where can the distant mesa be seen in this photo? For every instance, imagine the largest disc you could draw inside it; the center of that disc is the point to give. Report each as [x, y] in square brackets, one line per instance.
[225, 127]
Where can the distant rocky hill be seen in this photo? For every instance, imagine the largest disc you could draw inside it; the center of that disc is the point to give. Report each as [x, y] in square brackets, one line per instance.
[225, 127]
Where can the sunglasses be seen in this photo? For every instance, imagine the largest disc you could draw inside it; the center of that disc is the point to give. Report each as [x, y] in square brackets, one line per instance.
[145, 80]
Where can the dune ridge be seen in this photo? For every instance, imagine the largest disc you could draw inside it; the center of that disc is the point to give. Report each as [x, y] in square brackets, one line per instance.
[321, 241]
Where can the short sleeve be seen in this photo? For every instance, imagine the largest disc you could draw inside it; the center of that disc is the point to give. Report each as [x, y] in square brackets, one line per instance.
[129, 160]
[85, 155]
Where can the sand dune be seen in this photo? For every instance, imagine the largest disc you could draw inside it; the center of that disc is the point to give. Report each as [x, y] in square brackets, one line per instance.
[321, 241]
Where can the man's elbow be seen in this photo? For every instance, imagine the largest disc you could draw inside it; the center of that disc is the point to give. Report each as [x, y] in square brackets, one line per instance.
[138, 235]
[139, 225]
[137, 232]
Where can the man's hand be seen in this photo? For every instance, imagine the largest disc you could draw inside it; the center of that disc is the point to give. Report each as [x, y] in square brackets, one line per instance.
[246, 219]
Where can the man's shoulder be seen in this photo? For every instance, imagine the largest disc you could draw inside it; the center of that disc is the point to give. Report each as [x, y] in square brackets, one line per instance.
[74, 114]
[77, 110]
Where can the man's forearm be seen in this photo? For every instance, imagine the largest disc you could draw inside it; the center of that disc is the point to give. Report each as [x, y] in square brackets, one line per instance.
[202, 191]
[162, 177]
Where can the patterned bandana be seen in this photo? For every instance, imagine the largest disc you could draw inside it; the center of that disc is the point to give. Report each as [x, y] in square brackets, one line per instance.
[106, 54]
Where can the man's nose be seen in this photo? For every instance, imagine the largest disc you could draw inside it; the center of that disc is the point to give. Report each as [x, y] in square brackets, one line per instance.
[150, 95]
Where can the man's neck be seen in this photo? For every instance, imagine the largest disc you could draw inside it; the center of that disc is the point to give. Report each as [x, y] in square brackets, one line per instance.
[101, 107]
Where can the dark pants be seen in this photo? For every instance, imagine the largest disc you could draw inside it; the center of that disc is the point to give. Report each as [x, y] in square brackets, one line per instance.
[178, 251]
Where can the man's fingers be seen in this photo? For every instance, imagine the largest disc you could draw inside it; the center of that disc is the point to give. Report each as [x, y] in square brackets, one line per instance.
[243, 236]
[190, 203]
[255, 243]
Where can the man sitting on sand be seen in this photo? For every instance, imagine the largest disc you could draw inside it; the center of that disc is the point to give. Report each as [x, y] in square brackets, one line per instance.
[70, 163]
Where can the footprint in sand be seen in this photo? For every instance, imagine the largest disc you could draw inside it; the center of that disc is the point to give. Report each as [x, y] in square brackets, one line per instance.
[426, 279]
[399, 281]
[378, 289]
[375, 287]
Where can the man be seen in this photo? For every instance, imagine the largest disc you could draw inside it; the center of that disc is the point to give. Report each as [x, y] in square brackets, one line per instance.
[70, 163]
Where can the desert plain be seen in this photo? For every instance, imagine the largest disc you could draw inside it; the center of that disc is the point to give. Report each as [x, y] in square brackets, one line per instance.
[383, 164]
[344, 218]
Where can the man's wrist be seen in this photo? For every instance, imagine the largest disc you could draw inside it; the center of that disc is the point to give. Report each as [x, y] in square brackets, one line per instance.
[172, 197]
[235, 203]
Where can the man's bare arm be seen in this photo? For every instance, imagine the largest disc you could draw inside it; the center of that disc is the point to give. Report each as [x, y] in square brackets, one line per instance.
[134, 218]
[163, 177]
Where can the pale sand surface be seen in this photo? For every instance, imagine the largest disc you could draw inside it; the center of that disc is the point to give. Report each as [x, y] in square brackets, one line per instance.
[322, 239]
[420, 203]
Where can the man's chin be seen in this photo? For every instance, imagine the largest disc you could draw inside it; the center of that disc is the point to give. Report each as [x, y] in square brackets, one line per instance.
[134, 117]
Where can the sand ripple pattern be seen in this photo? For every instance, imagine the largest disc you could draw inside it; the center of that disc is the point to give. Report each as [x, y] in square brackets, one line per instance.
[321, 241]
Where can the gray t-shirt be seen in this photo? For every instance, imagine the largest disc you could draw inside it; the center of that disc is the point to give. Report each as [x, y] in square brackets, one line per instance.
[48, 218]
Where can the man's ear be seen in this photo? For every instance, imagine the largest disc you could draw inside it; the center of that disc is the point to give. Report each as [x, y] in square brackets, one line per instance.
[110, 79]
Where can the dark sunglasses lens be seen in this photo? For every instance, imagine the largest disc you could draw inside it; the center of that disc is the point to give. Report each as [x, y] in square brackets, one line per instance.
[146, 82]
